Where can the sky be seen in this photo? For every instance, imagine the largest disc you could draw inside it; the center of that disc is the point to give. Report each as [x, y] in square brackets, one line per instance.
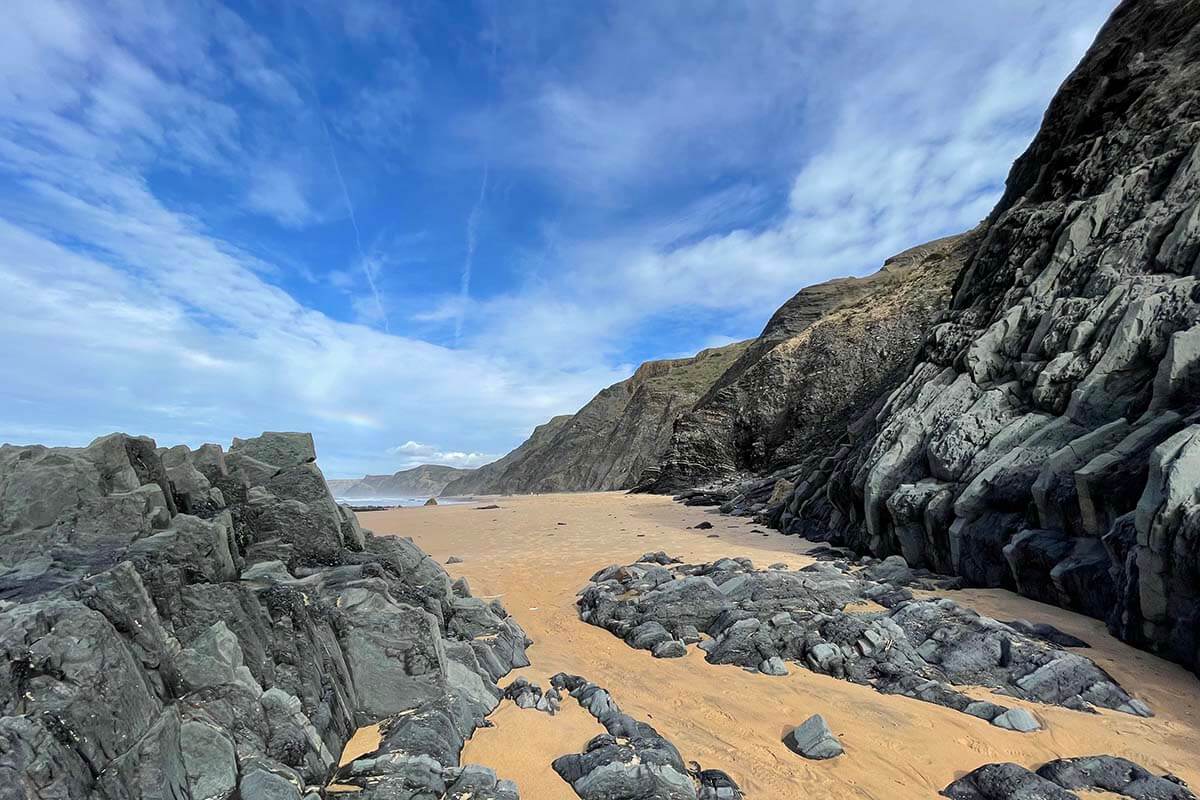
[420, 229]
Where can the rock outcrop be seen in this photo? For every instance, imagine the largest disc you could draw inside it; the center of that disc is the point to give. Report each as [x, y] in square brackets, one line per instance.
[1047, 436]
[427, 480]
[631, 761]
[923, 649]
[202, 624]
[609, 442]
[1052, 781]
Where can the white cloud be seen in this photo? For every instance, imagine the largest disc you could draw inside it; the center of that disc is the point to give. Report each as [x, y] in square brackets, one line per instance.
[874, 126]
[277, 192]
[414, 454]
[708, 162]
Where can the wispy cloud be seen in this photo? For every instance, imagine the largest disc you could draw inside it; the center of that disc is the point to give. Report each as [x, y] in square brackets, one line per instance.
[173, 257]
[278, 193]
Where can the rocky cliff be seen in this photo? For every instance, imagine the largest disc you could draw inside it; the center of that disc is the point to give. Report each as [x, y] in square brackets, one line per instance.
[426, 480]
[1048, 439]
[825, 357]
[606, 445]
[202, 624]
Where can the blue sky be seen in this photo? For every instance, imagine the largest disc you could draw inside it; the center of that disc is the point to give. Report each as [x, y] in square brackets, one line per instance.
[420, 229]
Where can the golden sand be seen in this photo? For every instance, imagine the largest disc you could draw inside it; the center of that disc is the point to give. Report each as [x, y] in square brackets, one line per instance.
[730, 719]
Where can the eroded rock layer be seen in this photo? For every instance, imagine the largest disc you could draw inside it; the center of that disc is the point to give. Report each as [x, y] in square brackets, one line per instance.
[201, 624]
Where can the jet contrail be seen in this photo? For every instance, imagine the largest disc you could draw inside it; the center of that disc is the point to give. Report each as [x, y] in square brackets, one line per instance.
[464, 291]
[337, 168]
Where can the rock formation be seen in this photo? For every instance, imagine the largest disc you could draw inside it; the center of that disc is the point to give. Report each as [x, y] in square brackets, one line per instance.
[611, 440]
[1047, 436]
[202, 624]
[1052, 781]
[824, 358]
[631, 761]
[761, 619]
[427, 480]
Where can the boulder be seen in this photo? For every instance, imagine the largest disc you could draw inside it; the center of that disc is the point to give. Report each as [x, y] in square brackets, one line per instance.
[813, 739]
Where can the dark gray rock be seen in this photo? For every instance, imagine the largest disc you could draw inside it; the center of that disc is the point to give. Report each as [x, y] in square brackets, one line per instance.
[762, 619]
[1005, 782]
[632, 761]
[182, 624]
[813, 739]
[1112, 774]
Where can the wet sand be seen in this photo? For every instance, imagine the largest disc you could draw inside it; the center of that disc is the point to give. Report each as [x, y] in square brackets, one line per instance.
[730, 719]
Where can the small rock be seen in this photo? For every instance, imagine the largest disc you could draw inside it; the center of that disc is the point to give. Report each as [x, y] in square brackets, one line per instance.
[813, 739]
[703, 526]
[454, 560]
[669, 649]
[773, 666]
[431, 501]
[486, 508]
[1017, 719]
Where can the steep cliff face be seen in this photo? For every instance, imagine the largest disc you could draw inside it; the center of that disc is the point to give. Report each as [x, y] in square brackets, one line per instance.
[426, 480]
[1049, 438]
[825, 356]
[489, 477]
[606, 445]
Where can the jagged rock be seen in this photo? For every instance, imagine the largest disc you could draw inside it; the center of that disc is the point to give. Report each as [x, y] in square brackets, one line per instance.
[157, 646]
[813, 739]
[1053, 780]
[632, 761]
[1005, 782]
[1112, 774]
[761, 619]
[279, 449]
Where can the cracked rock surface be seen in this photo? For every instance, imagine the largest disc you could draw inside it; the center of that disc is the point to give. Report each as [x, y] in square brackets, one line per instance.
[210, 624]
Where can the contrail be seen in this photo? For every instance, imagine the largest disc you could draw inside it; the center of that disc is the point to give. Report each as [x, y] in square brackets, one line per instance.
[337, 168]
[464, 292]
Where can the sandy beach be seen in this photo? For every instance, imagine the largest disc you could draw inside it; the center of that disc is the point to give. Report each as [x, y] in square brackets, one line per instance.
[536, 552]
